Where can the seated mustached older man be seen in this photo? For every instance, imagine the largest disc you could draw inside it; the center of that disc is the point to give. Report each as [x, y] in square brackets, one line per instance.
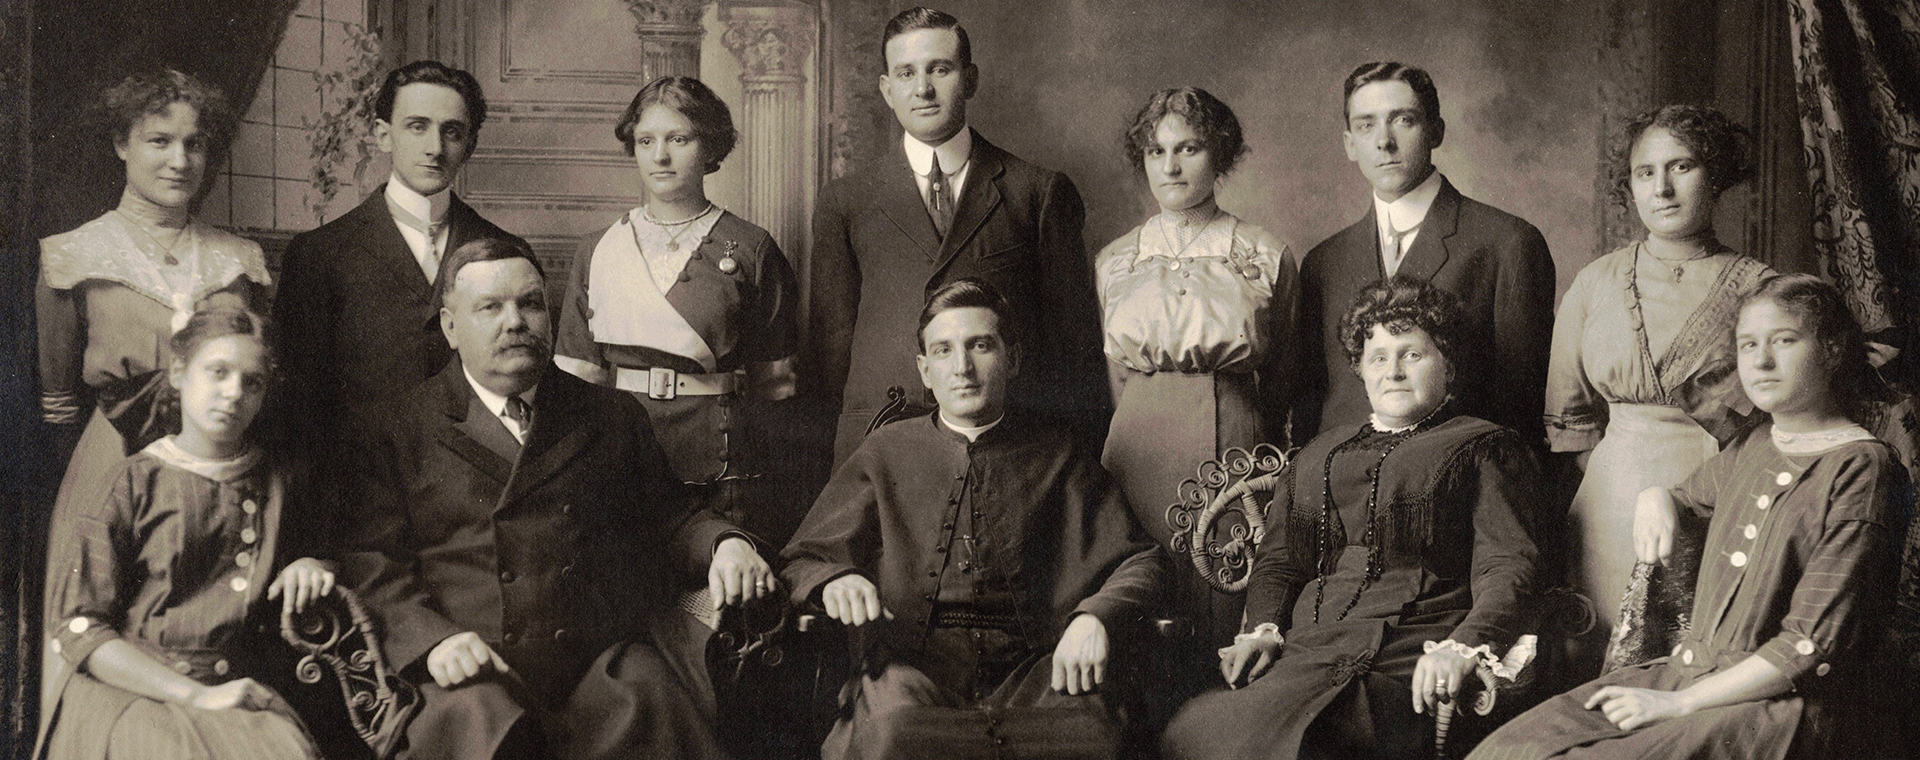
[983, 560]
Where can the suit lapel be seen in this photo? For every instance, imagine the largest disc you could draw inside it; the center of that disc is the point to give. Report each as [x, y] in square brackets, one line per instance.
[900, 200]
[467, 432]
[978, 199]
[389, 251]
[560, 432]
[1429, 251]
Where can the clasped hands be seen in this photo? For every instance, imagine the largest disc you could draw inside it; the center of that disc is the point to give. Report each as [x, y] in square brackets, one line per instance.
[1079, 660]
[736, 575]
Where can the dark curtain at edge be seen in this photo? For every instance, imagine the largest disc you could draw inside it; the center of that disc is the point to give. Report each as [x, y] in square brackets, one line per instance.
[1858, 69]
[59, 55]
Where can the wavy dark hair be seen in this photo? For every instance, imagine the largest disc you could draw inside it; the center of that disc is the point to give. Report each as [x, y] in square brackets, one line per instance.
[1723, 146]
[921, 17]
[1854, 383]
[1211, 119]
[432, 72]
[966, 293]
[1399, 304]
[149, 93]
[712, 121]
[1392, 71]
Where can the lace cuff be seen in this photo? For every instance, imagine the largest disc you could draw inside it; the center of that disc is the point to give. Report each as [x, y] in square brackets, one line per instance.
[1482, 654]
[1268, 631]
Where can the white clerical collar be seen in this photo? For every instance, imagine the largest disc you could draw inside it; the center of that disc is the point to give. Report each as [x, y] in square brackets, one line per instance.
[1410, 210]
[495, 402]
[431, 209]
[972, 433]
[954, 153]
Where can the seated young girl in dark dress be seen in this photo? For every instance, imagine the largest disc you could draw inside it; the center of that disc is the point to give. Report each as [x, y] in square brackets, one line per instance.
[1798, 576]
[165, 588]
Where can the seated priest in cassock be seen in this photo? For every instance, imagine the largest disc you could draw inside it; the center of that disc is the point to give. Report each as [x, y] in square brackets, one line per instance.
[516, 528]
[986, 565]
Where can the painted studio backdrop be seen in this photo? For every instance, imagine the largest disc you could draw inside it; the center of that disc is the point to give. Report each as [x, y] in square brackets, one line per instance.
[1530, 90]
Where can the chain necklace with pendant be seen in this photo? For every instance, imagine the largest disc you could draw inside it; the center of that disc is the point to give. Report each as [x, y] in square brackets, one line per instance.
[1679, 266]
[166, 251]
[673, 240]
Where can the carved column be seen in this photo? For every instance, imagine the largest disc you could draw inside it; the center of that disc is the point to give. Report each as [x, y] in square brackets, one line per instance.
[670, 34]
[772, 44]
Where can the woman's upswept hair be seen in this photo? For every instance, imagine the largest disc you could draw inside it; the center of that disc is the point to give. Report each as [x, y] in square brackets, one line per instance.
[1725, 148]
[149, 93]
[1855, 385]
[1211, 119]
[1401, 303]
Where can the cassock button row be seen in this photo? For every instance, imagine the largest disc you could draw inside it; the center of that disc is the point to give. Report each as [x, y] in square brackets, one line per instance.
[506, 576]
[1751, 532]
[249, 535]
[238, 584]
[559, 634]
[1765, 500]
[1739, 559]
[510, 637]
[933, 573]
[1783, 478]
[1805, 647]
[249, 506]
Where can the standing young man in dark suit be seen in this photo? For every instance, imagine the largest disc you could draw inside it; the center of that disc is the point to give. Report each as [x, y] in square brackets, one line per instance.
[946, 206]
[356, 312]
[517, 530]
[1419, 225]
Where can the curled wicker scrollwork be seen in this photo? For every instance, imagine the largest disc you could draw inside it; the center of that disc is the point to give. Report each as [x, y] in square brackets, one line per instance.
[1222, 513]
[336, 634]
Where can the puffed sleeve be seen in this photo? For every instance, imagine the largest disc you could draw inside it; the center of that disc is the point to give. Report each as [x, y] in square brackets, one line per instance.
[63, 345]
[96, 546]
[773, 339]
[1851, 569]
[1576, 413]
[1506, 479]
[574, 348]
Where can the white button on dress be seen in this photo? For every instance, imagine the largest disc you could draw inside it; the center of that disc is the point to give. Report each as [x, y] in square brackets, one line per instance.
[238, 584]
[1805, 647]
[1752, 532]
[1765, 500]
[1783, 478]
[1739, 559]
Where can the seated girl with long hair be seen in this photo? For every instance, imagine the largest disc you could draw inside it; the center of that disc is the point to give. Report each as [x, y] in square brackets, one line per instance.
[1798, 576]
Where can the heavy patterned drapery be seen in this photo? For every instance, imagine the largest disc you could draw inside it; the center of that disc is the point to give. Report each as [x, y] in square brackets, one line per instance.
[1858, 68]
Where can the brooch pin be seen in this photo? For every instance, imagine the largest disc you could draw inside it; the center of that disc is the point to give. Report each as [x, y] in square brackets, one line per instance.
[727, 264]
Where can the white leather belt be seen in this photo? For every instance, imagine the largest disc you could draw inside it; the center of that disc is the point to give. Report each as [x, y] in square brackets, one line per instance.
[663, 383]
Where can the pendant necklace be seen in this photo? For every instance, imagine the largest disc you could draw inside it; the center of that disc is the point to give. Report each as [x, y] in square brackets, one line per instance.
[166, 251]
[673, 240]
[1679, 266]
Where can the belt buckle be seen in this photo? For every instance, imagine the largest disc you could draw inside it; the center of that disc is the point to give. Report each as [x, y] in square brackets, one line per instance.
[661, 383]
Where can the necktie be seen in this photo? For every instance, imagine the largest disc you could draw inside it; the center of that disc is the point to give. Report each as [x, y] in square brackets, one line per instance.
[939, 198]
[1395, 250]
[522, 415]
[431, 265]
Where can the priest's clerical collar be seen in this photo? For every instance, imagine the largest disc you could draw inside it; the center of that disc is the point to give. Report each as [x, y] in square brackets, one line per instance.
[972, 433]
[431, 209]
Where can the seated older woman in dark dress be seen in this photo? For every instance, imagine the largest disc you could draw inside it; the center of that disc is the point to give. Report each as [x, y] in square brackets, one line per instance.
[1402, 564]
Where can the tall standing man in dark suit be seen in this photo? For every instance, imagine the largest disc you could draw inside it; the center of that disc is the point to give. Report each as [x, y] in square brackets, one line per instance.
[516, 530]
[1419, 225]
[946, 206]
[356, 312]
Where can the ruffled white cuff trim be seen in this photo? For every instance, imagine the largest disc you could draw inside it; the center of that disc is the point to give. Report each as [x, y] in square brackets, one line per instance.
[1266, 631]
[1483, 654]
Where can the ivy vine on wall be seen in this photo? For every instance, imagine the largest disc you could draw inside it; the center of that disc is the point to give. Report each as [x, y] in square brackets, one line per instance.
[342, 133]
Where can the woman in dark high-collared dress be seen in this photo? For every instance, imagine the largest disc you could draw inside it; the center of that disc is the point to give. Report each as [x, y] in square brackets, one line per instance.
[1797, 582]
[686, 305]
[1405, 559]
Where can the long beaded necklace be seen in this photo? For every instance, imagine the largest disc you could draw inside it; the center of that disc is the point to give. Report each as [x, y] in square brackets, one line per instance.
[1329, 552]
[673, 239]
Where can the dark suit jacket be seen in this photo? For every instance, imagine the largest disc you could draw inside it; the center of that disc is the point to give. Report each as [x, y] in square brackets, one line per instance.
[1499, 266]
[550, 554]
[357, 322]
[876, 258]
